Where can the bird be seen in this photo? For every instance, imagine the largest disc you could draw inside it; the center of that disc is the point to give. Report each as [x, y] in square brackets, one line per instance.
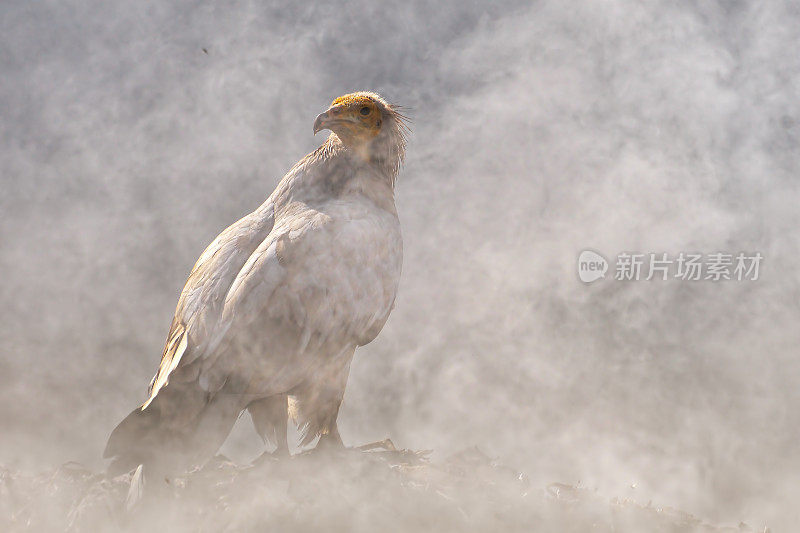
[275, 307]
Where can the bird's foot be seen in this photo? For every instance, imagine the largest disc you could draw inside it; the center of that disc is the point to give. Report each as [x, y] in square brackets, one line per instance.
[381, 445]
[276, 455]
[329, 442]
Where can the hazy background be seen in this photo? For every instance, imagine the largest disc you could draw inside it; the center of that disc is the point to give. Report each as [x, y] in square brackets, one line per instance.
[540, 129]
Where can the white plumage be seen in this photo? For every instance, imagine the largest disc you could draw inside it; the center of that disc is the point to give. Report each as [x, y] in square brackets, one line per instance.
[279, 301]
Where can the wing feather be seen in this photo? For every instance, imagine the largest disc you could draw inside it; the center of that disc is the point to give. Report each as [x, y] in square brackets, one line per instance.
[202, 298]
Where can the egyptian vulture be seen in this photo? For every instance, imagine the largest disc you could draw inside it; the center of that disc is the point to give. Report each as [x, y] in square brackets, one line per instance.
[277, 304]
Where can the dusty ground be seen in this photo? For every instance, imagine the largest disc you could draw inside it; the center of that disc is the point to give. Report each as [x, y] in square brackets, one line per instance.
[372, 488]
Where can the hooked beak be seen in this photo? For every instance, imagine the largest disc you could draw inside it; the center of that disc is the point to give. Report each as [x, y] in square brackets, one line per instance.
[332, 116]
[321, 122]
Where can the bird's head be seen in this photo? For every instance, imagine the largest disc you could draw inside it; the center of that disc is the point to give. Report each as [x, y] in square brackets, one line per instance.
[366, 124]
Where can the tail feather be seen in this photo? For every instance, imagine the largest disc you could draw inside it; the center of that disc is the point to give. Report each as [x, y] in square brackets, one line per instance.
[135, 440]
[136, 490]
[178, 429]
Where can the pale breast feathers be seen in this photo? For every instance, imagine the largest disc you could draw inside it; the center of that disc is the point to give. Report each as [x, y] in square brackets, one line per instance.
[308, 269]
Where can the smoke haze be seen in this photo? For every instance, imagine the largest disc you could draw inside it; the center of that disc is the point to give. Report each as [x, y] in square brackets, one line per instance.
[133, 133]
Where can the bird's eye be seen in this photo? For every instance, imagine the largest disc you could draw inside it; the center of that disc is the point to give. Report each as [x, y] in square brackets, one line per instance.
[364, 111]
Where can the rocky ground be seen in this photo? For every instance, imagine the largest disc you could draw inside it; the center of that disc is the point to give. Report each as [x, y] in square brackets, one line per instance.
[371, 488]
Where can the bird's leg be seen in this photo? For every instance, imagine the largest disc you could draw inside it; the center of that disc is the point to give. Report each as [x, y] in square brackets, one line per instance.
[318, 402]
[270, 420]
[281, 440]
[331, 439]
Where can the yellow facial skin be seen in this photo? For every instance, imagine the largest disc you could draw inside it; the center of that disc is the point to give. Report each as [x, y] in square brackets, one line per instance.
[354, 118]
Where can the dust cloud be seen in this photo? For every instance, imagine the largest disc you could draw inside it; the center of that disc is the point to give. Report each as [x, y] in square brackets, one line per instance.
[133, 133]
